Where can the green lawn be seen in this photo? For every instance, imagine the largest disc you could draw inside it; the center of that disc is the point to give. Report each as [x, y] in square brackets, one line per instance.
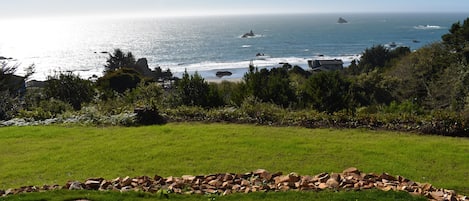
[278, 196]
[55, 154]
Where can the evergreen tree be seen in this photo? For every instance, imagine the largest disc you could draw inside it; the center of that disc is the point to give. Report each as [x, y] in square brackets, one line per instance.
[193, 90]
[329, 92]
[458, 38]
[119, 59]
[372, 58]
[270, 86]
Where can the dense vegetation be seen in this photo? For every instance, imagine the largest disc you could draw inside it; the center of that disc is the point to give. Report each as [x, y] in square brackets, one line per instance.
[425, 88]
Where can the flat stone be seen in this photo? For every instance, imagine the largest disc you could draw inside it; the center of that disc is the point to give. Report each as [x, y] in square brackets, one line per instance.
[226, 184]
[294, 177]
[227, 192]
[282, 179]
[351, 170]
[323, 186]
[75, 185]
[170, 180]
[387, 177]
[368, 186]
[332, 183]
[236, 187]
[157, 178]
[277, 174]
[92, 184]
[402, 179]
[438, 195]
[335, 177]
[9, 191]
[105, 185]
[116, 180]
[245, 183]
[452, 198]
[144, 180]
[127, 181]
[263, 174]
[427, 187]
[126, 189]
[323, 177]
[284, 188]
[387, 188]
[228, 177]
[215, 183]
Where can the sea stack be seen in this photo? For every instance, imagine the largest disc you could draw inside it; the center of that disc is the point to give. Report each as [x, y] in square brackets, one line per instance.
[248, 34]
[342, 21]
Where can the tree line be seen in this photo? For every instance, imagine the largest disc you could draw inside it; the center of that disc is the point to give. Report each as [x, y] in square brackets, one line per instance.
[432, 78]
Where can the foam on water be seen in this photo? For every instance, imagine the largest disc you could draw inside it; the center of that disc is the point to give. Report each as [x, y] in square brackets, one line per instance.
[239, 68]
[428, 27]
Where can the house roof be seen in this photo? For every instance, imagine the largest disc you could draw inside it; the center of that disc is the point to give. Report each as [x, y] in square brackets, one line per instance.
[331, 62]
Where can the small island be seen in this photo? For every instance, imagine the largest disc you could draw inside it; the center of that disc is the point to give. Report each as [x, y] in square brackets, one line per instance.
[248, 34]
[342, 21]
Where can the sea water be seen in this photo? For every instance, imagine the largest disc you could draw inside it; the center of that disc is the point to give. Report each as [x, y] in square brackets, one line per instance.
[212, 43]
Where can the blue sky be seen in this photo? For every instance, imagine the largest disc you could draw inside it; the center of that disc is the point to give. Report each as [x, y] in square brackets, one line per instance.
[43, 8]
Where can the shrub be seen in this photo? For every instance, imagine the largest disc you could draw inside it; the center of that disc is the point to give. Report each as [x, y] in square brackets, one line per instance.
[145, 95]
[9, 105]
[47, 109]
[149, 116]
[407, 106]
[186, 113]
[262, 113]
[120, 80]
[70, 88]
[329, 92]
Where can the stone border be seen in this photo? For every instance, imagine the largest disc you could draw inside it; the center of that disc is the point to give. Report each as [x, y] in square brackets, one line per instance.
[257, 181]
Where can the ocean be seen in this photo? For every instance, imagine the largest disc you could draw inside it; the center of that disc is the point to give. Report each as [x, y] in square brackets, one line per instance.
[212, 43]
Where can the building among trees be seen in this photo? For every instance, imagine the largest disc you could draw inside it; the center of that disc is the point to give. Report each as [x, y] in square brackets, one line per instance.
[326, 65]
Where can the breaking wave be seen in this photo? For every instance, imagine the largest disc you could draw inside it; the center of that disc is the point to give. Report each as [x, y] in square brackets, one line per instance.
[208, 69]
[428, 27]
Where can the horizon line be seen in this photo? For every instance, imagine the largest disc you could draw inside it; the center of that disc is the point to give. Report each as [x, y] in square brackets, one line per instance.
[214, 14]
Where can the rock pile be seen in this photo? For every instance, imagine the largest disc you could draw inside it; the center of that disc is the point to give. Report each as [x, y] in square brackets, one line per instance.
[257, 181]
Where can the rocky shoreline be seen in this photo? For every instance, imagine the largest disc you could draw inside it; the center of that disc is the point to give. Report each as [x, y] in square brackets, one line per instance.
[256, 181]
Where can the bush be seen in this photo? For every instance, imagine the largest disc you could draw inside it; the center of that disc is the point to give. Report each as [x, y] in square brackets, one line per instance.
[145, 95]
[120, 80]
[193, 90]
[9, 106]
[70, 88]
[270, 85]
[407, 106]
[149, 116]
[261, 113]
[329, 92]
[186, 113]
[46, 109]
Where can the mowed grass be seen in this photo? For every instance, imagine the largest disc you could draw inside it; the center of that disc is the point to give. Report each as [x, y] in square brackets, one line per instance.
[55, 154]
[278, 196]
